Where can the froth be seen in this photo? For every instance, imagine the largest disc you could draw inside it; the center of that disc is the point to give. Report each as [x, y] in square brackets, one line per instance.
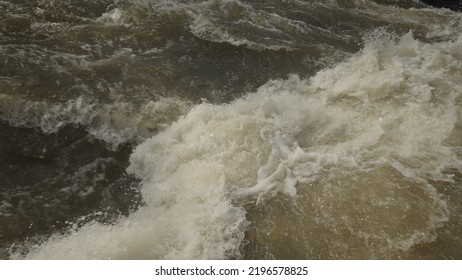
[357, 146]
[114, 123]
[410, 90]
[216, 21]
[180, 222]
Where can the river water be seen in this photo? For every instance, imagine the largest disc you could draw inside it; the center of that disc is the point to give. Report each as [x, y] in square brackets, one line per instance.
[230, 129]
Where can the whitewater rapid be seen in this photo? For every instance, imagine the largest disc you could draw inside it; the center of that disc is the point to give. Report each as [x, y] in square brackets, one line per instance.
[358, 148]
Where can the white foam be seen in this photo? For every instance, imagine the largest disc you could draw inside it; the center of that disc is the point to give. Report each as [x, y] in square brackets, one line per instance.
[393, 106]
[216, 21]
[114, 123]
[115, 16]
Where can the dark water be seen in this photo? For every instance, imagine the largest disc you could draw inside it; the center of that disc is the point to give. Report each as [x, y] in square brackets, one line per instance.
[227, 129]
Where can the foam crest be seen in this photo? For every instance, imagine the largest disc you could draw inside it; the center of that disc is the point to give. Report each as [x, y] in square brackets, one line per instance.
[175, 224]
[219, 21]
[114, 123]
[412, 90]
[230, 21]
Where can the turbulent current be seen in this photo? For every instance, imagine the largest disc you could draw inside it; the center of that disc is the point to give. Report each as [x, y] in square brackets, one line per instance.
[230, 129]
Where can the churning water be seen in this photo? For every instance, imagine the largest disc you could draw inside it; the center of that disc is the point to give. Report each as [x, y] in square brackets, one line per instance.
[229, 129]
